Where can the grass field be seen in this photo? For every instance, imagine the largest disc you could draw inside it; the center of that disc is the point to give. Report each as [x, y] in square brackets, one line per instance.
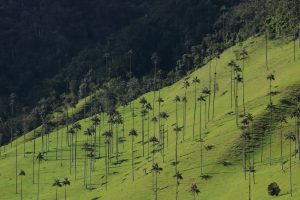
[224, 183]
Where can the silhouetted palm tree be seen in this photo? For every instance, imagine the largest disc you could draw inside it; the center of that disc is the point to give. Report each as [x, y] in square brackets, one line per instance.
[270, 108]
[178, 177]
[21, 174]
[291, 137]
[282, 120]
[154, 120]
[206, 92]
[66, 183]
[154, 59]
[238, 79]
[56, 184]
[194, 190]
[160, 101]
[231, 64]
[154, 141]
[243, 56]
[76, 127]
[296, 115]
[40, 158]
[156, 169]
[148, 108]
[270, 78]
[176, 130]
[186, 84]
[201, 98]
[195, 81]
[133, 134]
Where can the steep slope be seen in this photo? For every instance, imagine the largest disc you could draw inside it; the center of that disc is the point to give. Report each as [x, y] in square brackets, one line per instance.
[226, 181]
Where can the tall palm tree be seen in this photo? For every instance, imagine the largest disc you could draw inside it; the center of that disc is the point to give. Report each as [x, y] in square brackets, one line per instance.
[91, 155]
[206, 92]
[16, 163]
[12, 99]
[195, 81]
[76, 127]
[194, 190]
[154, 59]
[21, 174]
[238, 79]
[118, 121]
[176, 130]
[215, 86]
[40, 158]
[296, 115]
[164, 116]
[186, 84]
[282, 120]
[132, 133]
[243, 56]
[231, 64]
[144, 112]
[178, 177]
[160, 101]
[156, 169]
[71, 132]
[56, 184]
[154, 120]
[201, 99]
[154, 141]
[291, 137]
[66, 182]
[270, 78]
[270, 108]
[148, 108]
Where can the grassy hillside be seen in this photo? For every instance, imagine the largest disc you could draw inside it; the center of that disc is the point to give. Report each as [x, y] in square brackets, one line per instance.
[222, 164]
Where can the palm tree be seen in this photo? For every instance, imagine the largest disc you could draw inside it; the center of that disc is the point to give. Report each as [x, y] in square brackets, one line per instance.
[71, 132]
[76, 127]
[195, 81]
[291, 137]
[164, 116]
[148, 108]
[271, 78]
[231, 64]
[154, 140]
[40, 158]
[12, 99]
[154, 120]
[206, 92]
[178, 177]
[118, 120]
[177, 130]
[296, 115]
[16, 135]
[194, 190]
[156, 169]
[144, 112]
[154, 59]
[186, 84]
[56, 184]
[238, 79]
[66, 183]
[217, 56]
[282, 120]
[21, 174]
[133, 134]
[270, 108]
[201, 98]
[243, 56]
[159, 100]
[91, 155]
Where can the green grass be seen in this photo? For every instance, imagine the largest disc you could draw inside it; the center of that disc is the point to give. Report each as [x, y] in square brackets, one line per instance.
[226, 183]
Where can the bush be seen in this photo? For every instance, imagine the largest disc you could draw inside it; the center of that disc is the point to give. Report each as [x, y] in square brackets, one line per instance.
[273, 189]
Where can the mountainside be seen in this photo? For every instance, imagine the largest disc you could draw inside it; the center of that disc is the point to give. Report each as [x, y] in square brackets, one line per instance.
[223, 148]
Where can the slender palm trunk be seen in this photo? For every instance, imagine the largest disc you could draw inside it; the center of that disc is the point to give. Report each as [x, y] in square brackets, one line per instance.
[38, 193]
[132, 139]
[75, 155]
[143, 135]
[209, 86]
[21, 187]
[156, 186]
[291, 188]
[266, 38]
[117, 142]
[33, 156]
[215, 88]
[148, 130]
[16, 166]
[65, 192]
[243, 74]
[231, 86]
[270, 136]
[236, 105]
[281, 146]
[195, 108]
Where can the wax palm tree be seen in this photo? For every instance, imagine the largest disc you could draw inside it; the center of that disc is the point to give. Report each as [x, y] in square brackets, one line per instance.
[195, 81]
[201, 99]
[282, 120]
[56, 184]
[95, 122]
[296, 115]
[246, 138]
[76, 127]
[243, 56]
[186, 85]
[66, 182]
[154, 59]
[177, 99]
[194, 190]
[156, 169]
[144, 112]
[270, 108]
[176, 130]
[21, 174]
[118, 121]
[91, 155]
[154, 141]
[164, 116]
[206, 92]
[132, 133]
[160, 101]
[40, 158]
[250, 170]
[291, 137]
[71, 132]
[231, 64]
[270, 78]
[178, 177]
[238, 79]
[16, 163]
[148, 108]
[215, 86]
[154, 120]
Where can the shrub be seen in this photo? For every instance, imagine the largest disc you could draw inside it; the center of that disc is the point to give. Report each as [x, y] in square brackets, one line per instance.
[273, 189]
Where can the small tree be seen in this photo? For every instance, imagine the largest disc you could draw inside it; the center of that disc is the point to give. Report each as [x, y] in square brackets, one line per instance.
[156, 169]
[273, 189]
